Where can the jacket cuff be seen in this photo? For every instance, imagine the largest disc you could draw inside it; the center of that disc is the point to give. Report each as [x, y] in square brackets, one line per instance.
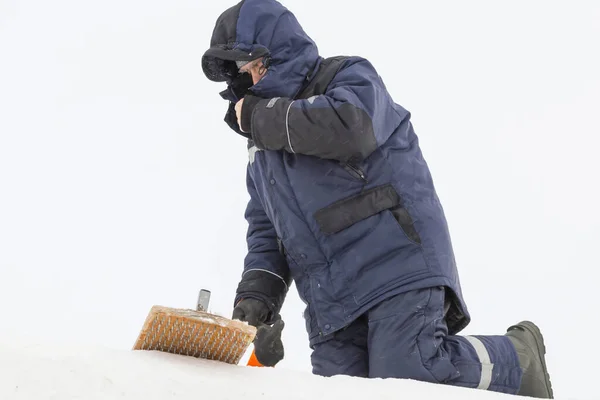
[265, 286]
[248, 107]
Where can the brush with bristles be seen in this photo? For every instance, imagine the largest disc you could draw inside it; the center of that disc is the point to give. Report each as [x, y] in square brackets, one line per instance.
[195, 333]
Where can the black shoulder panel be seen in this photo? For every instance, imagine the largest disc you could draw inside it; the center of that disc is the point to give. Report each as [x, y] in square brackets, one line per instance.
[323, 77]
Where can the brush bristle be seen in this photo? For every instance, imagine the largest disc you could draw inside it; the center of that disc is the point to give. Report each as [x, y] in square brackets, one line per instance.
[195, 334]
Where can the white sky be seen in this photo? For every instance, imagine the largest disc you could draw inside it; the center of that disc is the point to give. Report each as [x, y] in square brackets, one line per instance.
[121, 187]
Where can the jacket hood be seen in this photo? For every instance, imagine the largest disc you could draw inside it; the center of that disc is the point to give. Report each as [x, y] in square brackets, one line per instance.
[254, 29]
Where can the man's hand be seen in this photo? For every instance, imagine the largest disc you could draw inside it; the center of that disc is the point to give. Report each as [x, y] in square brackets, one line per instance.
[253, 311]
[268, 346]
[238, 112]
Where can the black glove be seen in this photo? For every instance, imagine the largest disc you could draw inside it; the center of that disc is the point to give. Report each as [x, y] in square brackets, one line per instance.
[268, 346]
[255, 312]
[266, 287]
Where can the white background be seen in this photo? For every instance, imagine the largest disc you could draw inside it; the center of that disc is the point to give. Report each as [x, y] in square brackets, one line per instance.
[121, 187]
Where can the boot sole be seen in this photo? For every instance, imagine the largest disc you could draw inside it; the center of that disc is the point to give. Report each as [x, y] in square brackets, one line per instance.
[539, 341]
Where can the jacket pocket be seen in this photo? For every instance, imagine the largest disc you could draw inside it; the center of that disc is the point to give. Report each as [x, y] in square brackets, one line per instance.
[347, 212]
[355, 172]
[406, 223]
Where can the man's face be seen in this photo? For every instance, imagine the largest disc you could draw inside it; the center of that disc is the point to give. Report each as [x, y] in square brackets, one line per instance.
[256, 69]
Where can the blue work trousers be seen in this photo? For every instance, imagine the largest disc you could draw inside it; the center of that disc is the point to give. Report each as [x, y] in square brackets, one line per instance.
[407, 337]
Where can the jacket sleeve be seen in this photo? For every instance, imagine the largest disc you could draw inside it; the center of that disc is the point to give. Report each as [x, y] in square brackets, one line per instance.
[266, 273]
[348, 122]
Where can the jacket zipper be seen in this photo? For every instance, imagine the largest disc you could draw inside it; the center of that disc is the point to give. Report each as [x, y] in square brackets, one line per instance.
[356, 172]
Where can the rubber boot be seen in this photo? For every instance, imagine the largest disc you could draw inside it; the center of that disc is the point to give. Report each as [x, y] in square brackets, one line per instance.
[529, 344]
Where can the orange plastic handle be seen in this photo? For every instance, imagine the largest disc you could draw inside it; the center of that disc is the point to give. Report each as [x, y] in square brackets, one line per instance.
[253, 361]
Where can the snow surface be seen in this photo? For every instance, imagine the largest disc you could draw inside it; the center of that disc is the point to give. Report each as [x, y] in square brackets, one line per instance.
[65, 372]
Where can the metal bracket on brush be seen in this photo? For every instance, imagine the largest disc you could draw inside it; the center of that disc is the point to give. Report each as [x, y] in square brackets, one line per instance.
[203, 300]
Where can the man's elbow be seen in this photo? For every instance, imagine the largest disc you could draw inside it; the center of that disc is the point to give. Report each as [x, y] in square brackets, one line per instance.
[358, 141]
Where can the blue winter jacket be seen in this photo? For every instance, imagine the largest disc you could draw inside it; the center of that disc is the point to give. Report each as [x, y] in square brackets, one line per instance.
[341, 199]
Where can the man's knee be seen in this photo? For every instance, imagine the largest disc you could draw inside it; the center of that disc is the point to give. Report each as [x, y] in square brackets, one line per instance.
[406, 338]
[410, 366]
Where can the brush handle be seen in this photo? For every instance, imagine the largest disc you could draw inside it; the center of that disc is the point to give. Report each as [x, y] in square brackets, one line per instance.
[203, 300]
[253, 361]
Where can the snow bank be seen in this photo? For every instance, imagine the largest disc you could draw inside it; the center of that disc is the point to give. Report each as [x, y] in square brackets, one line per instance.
[36, 372]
